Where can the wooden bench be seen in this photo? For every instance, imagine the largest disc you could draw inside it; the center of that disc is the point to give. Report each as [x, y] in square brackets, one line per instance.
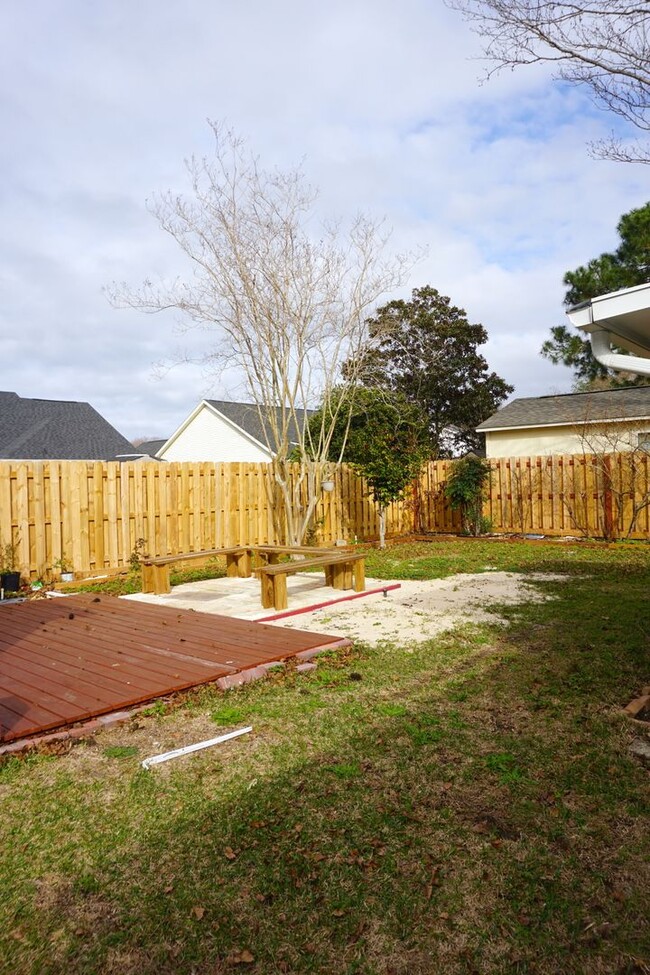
[343, 570]
[156, 572]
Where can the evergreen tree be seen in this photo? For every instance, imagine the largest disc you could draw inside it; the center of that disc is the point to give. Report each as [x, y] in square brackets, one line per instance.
[427, 350]
[626, 267]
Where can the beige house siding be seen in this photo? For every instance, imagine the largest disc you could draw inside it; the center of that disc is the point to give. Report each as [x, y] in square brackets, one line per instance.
[550, 441]
[206, 436]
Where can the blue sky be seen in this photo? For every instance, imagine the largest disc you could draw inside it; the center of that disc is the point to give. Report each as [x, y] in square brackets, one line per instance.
[101, 102]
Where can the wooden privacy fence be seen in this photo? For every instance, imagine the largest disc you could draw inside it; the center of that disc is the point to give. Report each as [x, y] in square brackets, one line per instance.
[93, 514]
[584, 495]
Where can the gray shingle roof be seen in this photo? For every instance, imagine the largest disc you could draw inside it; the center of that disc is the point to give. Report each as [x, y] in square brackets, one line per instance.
[246, 416]
[570, 408]
[44, 429]
[149, 447]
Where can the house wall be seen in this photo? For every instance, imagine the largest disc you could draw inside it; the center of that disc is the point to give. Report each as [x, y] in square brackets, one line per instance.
[554, 441]
[209, 438]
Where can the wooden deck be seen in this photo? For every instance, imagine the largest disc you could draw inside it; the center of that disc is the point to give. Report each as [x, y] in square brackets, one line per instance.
[63, 661]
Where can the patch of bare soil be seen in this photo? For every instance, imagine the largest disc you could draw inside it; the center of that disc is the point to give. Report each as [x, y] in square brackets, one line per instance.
[418, 611]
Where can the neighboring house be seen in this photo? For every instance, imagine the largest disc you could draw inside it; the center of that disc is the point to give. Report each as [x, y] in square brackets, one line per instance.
[221, 432]
[148, 448]
[45, 429]
[573, 423]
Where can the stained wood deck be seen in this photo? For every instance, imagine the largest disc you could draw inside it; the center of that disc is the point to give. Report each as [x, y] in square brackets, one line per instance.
[63, 661]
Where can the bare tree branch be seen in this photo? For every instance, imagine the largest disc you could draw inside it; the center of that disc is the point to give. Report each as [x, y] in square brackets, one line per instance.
[602, 45]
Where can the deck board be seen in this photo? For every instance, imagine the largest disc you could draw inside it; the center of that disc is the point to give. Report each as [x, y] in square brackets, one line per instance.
[66, 660]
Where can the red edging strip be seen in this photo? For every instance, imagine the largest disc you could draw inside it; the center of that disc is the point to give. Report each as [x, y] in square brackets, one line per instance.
[329, 602]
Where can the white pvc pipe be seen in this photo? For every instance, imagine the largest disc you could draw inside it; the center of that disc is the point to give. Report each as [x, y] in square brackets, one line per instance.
[601, 346]
[188, 749]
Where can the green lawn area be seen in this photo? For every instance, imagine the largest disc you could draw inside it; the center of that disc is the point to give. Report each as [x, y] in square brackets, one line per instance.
[466, 805]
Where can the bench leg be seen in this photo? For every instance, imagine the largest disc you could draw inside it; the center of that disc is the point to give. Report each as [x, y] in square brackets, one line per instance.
[267, 593]
[338, 575]
[359, 575]
[147, 578]
[161, 580]
[280, 598]
[244, 564]
[239, 565]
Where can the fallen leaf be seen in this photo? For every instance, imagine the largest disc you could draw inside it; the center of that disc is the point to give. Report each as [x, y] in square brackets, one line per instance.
[338, 912]
[229, 853]
[198, 912]
[241, 957]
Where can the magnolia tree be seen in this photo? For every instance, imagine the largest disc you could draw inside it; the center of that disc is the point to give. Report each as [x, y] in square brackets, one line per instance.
[283, 297]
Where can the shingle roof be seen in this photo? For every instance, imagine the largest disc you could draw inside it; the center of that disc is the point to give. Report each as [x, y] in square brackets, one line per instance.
[246, 416]
[570, 408]
[44, 429]
[149, 447]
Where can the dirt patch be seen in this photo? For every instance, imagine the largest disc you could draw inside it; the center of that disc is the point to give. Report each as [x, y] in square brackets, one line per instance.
[418, 611]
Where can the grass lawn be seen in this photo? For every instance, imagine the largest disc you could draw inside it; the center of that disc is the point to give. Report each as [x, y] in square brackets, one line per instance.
[466, 805]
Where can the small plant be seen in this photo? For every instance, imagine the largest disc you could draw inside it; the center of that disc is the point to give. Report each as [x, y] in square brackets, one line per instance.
[157, 709]
[465, 490]
[228, 715]
[9, 556]
[136, 554]
[62, 564]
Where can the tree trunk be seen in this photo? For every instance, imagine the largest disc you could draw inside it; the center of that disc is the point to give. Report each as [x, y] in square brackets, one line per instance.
[382, 528]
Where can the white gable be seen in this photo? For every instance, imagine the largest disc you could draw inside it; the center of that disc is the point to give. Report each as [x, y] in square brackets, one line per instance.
[206, 435]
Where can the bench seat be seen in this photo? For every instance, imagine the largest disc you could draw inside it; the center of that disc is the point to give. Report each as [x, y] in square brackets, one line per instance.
[343, 570]
[156, 574]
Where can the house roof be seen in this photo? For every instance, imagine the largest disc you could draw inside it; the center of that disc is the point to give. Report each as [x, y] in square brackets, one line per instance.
[44, 429]
[247, 417]
[631, 402]
[625, 314]
[149, 448]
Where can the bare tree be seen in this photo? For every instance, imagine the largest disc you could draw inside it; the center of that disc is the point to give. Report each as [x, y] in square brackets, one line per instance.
[527, 484]
[602, 45]
[620, 458]
[284, 298]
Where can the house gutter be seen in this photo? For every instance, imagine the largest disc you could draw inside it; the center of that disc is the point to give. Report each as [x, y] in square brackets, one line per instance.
[601, 346]
[621, 318]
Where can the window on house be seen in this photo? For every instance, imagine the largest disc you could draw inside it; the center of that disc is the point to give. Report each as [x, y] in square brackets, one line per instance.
[643, 441]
